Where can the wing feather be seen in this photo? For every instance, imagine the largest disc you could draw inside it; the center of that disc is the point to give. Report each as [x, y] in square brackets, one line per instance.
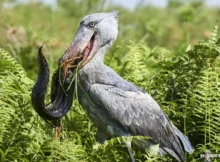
[135, 109]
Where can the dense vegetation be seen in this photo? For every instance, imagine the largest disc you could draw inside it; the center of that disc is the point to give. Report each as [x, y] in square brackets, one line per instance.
[169, 52]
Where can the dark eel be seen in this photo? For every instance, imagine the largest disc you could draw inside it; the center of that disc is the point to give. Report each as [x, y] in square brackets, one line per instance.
[61, 98]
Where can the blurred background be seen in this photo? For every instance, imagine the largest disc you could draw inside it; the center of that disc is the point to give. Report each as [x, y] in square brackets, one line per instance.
[157, 49]
[172, 24]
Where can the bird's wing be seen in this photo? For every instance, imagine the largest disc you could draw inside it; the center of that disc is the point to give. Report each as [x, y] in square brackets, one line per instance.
[136, 110]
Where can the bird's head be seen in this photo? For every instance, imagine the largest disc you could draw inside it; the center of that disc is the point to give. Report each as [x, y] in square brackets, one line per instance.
[95, 32]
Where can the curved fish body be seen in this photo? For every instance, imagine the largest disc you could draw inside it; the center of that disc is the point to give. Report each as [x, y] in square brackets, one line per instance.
[61, 100]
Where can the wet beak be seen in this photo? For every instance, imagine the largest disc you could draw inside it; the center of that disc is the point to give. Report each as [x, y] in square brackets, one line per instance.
[83, 47]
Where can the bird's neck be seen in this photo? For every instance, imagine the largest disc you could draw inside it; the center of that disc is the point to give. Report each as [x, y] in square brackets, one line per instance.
[97, 61]
[99, 56]
[90, 73]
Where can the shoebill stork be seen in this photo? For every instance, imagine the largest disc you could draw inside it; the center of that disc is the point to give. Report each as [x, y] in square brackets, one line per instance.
[116, 106]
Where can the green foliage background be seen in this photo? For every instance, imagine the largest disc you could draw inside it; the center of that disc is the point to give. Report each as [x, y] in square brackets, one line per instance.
[169, 52]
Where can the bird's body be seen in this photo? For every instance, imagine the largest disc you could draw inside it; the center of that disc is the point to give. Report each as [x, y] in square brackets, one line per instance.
[119, 108]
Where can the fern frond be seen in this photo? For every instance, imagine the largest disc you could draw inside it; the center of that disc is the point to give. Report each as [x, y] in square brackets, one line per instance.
[135, 64]
[214, 34]
[207, 109]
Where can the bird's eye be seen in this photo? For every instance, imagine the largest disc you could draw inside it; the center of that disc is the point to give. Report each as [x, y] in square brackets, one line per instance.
[91, 24]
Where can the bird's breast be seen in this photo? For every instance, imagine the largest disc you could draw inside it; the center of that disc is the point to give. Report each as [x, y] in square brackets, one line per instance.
[98, 115]
[95, 113]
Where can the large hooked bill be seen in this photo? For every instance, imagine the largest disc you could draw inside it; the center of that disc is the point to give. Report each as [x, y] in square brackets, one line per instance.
[80, 52]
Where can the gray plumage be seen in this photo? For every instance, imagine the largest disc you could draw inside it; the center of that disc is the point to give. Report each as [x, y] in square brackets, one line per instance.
[117, 107]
